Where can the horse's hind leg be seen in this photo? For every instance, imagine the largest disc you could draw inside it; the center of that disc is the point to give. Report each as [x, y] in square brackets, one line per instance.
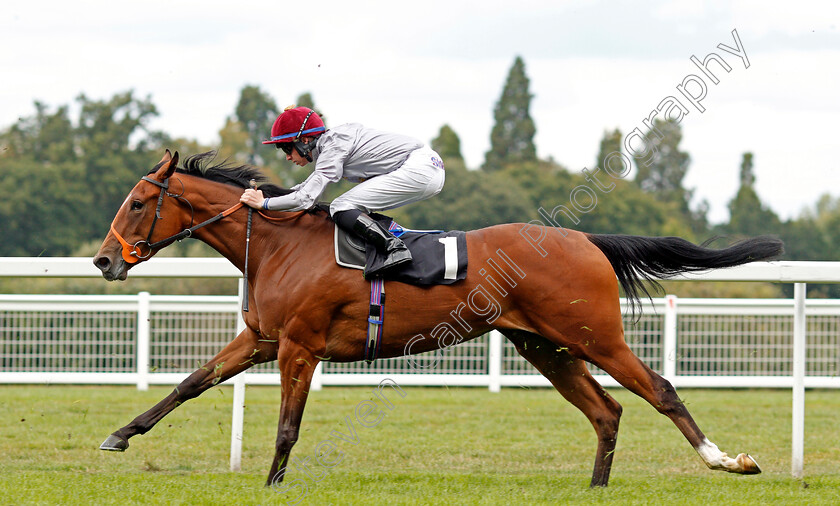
[243, 352]
[616, 358]
[571, 378]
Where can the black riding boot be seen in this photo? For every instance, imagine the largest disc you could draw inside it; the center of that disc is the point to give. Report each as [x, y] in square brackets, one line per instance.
[385, 243]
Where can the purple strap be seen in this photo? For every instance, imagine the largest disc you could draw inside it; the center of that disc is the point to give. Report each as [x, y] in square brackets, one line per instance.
[376, 318]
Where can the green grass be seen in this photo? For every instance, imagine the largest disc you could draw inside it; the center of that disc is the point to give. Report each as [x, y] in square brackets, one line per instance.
[437, 446]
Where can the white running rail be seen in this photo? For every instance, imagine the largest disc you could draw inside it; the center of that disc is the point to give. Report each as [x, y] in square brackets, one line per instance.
[675, 342]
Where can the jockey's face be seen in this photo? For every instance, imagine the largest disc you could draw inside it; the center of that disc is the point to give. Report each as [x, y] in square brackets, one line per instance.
[292, 154]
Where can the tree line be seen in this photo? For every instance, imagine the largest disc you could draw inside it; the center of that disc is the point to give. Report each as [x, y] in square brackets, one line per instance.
[63, 176]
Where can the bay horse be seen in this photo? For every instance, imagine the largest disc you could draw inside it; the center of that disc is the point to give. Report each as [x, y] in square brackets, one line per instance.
[553, 292]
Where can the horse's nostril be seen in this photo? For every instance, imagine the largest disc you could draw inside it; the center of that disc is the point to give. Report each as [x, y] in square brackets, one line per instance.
[103, 263]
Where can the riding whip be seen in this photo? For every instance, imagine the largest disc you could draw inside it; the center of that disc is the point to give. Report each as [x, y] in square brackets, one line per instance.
[247, 248]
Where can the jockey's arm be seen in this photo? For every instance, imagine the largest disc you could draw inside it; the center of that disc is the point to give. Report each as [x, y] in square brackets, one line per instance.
[304, 196]
[328, 169]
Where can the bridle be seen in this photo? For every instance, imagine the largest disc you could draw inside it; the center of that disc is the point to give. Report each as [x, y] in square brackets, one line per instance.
[134, 253]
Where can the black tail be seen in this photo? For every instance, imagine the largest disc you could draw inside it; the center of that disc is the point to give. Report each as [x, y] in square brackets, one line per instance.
[637, 260]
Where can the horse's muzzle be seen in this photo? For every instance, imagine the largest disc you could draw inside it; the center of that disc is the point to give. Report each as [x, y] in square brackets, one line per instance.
[111, 270]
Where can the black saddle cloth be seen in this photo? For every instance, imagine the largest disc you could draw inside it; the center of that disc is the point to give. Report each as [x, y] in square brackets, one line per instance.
[438, 258]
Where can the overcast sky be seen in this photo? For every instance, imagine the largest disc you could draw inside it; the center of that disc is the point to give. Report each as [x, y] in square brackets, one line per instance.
[412, 67]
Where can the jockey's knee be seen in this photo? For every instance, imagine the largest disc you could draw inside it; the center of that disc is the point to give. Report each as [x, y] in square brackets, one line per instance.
[345, 219]
[339, 205]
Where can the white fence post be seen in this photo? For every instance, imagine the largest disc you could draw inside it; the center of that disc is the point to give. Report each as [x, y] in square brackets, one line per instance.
[237, 422]
[669, 339]
[798, 433]
[144, 340]
[317, 378]
[494, 361]
[238, 416]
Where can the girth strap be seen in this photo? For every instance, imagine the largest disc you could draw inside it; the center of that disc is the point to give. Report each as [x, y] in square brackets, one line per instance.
[376, 318]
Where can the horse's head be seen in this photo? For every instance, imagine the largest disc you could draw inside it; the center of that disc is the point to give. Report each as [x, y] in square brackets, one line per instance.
[144, 219]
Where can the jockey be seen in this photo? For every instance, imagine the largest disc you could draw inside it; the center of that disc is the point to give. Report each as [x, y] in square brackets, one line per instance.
[392, 170]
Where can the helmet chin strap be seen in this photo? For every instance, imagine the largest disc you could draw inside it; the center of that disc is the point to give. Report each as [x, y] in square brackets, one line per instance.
[303, 148]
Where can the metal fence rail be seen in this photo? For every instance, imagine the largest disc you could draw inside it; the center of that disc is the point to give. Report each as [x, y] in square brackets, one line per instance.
[97, 339]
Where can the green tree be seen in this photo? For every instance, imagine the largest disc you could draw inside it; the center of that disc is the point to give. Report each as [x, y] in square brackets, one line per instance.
[619, 206]
[610, 143]
[44, 138]
[447, 144]
[544, 182]
[628, 210]
[235, 142]
[747, 215]
[256, 112]
[814, 235]
[469, 200]
[63, 180]
[661, 168]
[185, 147]
[512, 137]
[114, 143]
[746, 175]
[44, 208]
[806, 239]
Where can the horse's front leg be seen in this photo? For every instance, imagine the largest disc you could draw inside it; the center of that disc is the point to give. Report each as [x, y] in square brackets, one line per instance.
[243, 352]
[297, 364]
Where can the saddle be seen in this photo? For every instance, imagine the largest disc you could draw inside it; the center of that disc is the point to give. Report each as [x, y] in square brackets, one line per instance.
[438, 257]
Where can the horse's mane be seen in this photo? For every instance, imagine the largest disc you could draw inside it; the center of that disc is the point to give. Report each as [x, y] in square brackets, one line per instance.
[202, 165]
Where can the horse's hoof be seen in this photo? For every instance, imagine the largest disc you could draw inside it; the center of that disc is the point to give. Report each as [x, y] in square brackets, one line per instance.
[114, 444]
[748, 464]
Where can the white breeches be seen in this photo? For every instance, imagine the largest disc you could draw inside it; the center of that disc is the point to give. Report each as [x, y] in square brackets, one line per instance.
[420, 177]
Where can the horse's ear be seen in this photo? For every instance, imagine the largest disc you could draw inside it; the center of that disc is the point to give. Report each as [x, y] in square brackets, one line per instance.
[173, 164]
[167, 165]
[166, 157]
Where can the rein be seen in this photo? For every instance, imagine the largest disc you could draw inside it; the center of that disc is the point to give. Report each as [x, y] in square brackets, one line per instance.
[134, 253]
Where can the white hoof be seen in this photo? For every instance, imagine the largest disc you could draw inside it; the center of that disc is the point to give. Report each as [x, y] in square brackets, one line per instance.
[716, 459]
[748, 464]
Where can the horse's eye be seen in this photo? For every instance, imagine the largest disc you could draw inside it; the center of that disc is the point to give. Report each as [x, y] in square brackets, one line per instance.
[136, 205]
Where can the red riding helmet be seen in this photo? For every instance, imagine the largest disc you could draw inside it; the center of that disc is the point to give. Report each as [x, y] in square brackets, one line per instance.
[294, 123]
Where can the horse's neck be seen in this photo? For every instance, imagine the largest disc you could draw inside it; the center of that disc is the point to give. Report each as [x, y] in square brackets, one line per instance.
[268, 238]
